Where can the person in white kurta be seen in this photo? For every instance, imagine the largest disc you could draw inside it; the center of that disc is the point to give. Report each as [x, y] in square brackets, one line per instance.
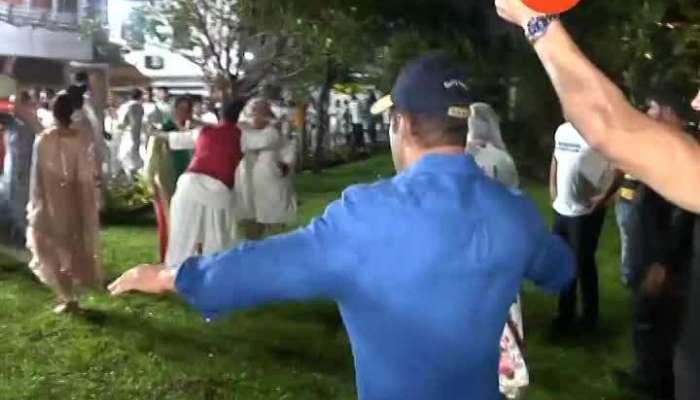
[114, 131]
[264, 191]
[485, 144]
[130, 146]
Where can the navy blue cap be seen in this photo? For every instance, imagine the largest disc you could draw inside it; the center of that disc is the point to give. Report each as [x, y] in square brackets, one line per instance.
[433, 85]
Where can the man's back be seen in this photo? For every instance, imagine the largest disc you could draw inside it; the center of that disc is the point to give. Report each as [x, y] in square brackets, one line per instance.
[446, 258]
[423, 267]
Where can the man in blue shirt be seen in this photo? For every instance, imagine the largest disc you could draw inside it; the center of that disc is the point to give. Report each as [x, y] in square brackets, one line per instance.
[423, 267]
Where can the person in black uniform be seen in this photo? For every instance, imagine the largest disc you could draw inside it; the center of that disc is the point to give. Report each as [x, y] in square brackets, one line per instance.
[659, 260]
[687, 362]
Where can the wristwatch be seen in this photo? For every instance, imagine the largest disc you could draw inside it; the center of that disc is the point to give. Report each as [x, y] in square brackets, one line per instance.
[537, 27]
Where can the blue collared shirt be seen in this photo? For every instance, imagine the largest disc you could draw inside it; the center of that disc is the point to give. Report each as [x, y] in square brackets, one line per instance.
[423, 268]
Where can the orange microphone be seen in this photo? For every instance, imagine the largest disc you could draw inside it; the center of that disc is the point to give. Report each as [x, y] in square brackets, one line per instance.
[551, 6]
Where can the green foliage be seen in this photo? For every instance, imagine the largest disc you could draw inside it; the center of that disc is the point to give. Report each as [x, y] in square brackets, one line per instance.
[405, 44]
[636, 43]
[126, 198]
[654, 40]
[334, 40]
[137, 27]
[220, 36]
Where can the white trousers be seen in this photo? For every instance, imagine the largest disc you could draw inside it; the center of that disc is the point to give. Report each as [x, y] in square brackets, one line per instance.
[201, 214]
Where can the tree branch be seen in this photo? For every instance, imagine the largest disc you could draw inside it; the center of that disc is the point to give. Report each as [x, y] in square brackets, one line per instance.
[204, 30]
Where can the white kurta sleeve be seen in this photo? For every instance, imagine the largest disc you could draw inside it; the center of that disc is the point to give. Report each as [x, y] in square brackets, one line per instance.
[183, 140]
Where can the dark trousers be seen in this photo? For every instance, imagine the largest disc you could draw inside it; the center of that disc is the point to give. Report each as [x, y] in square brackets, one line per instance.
[358, 136]
[656, 326]
[582, 234]
[372, 131]
[687, 378]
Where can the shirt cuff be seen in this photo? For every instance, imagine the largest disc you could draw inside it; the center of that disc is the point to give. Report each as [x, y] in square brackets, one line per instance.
[188, 282]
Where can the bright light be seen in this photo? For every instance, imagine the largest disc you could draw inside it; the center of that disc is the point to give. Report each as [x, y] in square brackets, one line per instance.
[248, 56]
[119, 12]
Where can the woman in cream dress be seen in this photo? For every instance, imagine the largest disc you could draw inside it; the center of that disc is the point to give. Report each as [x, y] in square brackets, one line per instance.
[63, 233]
[265, 196]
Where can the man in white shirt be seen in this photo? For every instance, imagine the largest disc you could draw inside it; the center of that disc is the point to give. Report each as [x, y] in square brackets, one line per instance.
[44, 111]
[580, 185]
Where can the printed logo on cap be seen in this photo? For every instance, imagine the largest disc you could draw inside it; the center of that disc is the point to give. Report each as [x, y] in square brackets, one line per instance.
[551, 6]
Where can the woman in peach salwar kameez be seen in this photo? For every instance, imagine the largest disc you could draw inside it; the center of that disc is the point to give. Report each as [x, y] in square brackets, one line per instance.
[63, 233]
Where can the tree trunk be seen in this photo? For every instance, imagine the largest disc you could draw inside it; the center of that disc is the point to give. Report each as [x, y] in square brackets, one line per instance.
[322, 112]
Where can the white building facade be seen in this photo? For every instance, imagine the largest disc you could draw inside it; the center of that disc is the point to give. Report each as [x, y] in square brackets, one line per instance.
[162, 66]
[49, 29]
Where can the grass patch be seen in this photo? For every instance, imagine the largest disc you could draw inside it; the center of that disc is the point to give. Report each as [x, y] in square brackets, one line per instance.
[155, 348]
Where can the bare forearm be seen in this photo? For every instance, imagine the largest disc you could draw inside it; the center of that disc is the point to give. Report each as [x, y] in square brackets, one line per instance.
[659, 155]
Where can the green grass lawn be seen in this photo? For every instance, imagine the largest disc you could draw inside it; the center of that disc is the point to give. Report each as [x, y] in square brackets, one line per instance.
[155, 348]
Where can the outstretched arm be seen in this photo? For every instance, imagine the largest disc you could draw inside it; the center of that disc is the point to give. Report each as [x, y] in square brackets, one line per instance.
[183, 140]
[303, 265]
[659, 155]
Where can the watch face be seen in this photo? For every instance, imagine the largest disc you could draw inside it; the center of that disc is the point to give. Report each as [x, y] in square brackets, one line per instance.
[537, 26]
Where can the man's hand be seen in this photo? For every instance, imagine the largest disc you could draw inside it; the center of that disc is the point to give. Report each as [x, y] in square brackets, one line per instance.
[600, 201]
[150, 279]
[656, 280]
[515, 12]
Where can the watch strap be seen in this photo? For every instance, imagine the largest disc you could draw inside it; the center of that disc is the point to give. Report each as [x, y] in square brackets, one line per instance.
[537, 26]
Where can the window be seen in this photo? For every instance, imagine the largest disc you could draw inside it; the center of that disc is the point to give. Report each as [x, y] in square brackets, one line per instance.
[68, 6]
[96, 9]
[155, 62]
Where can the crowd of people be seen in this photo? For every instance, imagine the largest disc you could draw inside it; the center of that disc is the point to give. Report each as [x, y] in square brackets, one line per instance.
[351, 123]
[60, 161]
[427, 286]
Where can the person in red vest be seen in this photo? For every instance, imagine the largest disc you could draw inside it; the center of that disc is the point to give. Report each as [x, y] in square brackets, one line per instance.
[201, 212]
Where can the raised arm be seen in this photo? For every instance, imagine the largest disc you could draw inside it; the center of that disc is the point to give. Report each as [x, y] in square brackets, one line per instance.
[661, 156]
[183, 140]
[256, 140]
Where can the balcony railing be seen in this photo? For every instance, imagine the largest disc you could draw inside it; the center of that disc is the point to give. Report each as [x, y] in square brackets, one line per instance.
[58, 16]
